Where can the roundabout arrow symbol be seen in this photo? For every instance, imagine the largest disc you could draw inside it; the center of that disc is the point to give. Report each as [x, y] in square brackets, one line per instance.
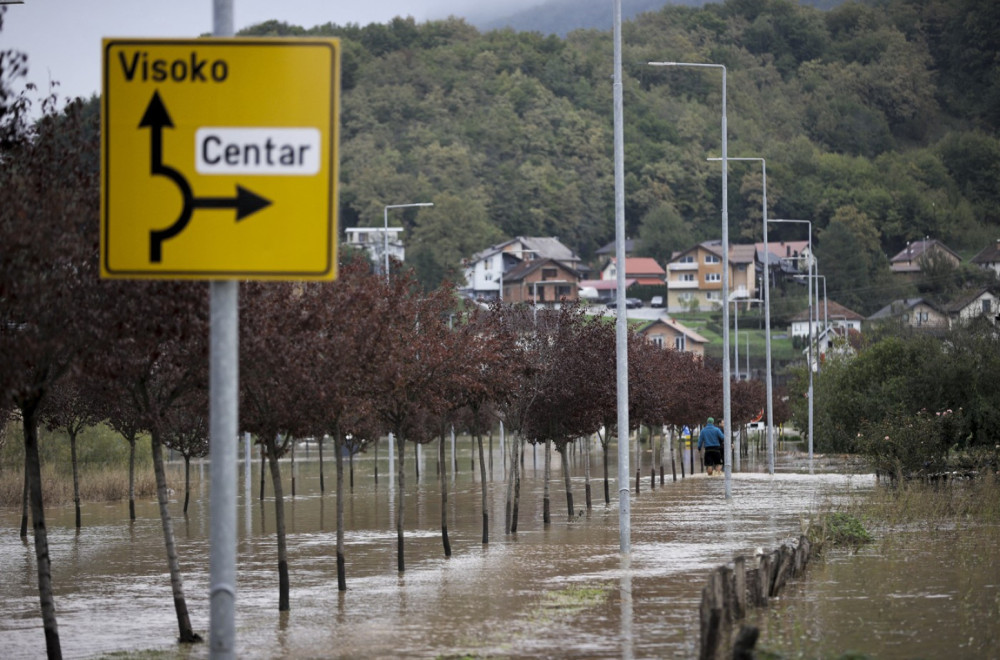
[245, 202]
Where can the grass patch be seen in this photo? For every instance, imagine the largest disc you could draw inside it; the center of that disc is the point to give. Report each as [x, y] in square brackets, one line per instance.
[839, 529]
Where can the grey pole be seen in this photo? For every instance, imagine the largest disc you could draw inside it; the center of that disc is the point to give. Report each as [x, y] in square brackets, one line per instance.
[767, 319]
[736, 339]
[223, 410]
[726, 385]
[621, 328]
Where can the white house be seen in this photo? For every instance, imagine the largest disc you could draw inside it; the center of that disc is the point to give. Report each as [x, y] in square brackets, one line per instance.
[374, 239]
[978, 303]
[484, 270]
[831, 312]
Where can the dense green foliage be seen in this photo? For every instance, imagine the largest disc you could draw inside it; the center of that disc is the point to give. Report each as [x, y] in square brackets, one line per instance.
[879, 122]
[928, 396]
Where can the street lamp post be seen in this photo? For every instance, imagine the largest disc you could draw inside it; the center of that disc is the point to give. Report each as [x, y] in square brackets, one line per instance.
[809, 264]
[726, 385]
[767, 318]
[385, 231]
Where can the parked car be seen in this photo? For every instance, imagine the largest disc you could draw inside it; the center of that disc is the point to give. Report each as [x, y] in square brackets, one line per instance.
[656, 301]
[630, 303]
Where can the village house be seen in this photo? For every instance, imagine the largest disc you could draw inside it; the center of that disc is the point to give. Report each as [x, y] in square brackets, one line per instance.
[911, 261]
[486, 270]
[694, 276]
[989, 258]
[665, 332]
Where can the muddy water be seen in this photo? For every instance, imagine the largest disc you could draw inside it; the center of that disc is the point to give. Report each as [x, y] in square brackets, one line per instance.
[548, 591]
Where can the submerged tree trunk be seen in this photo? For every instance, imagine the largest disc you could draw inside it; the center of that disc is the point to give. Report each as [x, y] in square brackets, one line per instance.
[546, 504]
[604, 456]
[586, 469]
[131, 477]
[377, 441]
[484, 487]
[322, 486]
[76, 477]
[350, 465]
[341, 568]
[444, 499]
[292, 469]
[279, 524]
[187, 634]
[517, 485]
[566, 480]
[187, 482]
[670, 448]
[24, 502]
[509, 502]
[263, 469]
[33, 479]
[400, 564]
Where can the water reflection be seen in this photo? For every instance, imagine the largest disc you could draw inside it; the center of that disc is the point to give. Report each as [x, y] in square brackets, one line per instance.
[112, 593]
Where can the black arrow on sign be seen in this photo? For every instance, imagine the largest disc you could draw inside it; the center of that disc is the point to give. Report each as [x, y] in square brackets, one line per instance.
[156, 118]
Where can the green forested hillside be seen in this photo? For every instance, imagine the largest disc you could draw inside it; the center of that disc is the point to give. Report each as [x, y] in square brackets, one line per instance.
[878, 121]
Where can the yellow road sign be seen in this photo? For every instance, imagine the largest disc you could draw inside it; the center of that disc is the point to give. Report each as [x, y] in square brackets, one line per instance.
[219, 158]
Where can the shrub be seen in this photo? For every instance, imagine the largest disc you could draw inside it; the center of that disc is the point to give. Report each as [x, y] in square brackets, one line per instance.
[910, 445]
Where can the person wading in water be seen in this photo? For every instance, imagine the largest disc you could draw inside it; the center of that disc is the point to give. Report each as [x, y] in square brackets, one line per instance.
[711, 440]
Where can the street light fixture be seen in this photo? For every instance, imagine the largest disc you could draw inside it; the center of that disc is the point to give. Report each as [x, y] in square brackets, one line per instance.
[767, 318]
[385, 231]
[726, 385]
[810, 262]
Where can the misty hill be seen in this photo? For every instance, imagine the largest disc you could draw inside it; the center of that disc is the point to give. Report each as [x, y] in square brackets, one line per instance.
[561, 17]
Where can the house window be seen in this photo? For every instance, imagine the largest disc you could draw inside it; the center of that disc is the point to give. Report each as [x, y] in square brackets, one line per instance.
[922, 317]
[687, 277]
[680, 342]
[713, 295]
[713, 277]
[685, 296]
[657, 340]
[689, 259]
[987, 307]
[489, 276]
[562, 291]
[549, 273]
[712, 259]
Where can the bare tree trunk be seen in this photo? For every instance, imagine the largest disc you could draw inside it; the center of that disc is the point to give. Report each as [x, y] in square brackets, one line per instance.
[341, 568]
[263, 470]
[604, 451]
[279, 524]
[131, 477]
[187, 634]
[670, 448]
[400, 564]
[322, 486]
[350, 465]
[517, 485]
[292, 443]
[491, 454]
[586, 468]
[76, 477]
[33, 479]
[444, 498]
[509, 504]
[187, 482]
[377, 441]
[566, 480]
[24, 502]
[546, 504]
[484, 486]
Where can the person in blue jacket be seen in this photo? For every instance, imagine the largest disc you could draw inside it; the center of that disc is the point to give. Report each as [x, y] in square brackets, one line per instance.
[711, 439]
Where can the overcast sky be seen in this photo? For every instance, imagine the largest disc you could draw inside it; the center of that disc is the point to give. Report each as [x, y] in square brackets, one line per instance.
[63, 37]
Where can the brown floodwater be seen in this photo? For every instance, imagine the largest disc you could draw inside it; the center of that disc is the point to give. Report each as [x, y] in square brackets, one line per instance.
[548, 591]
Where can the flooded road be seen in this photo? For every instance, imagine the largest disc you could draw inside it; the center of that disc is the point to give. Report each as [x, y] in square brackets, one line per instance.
[554, 590]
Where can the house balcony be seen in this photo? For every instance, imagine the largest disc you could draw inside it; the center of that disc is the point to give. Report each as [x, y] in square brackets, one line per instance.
[693, 266]
[678, 286]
